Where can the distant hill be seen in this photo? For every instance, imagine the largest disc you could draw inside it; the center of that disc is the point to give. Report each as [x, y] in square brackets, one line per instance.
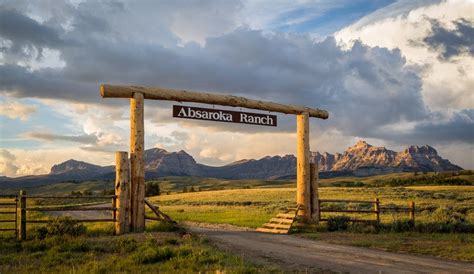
[361, 159]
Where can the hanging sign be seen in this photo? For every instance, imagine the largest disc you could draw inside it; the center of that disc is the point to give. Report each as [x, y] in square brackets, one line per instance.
[220, 115]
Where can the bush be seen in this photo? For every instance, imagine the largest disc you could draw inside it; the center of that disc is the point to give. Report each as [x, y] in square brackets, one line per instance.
[152, 189]
[124, 245]
[65, 226]
[163, 226]
[401, 226]
[150, 253]
[39, 233]
[337, 223]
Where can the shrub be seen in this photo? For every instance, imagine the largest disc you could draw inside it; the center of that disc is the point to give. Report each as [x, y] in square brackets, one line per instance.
[39, 233]
[65, 226]
[337, 223]
[401, 226]
[148, 254]
[124, 245]
[163, 226]
[170, 241]
[152, 189]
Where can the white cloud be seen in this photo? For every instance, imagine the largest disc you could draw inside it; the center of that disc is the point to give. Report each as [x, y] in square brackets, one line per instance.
[367, 89]
[22, 162]
[13, 109]
[445, 84]
[7, 163]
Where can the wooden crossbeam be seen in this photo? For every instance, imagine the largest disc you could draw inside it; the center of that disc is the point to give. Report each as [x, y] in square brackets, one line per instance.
[159, 93]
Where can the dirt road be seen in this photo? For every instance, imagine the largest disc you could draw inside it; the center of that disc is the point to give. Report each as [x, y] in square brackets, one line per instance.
[294, 253]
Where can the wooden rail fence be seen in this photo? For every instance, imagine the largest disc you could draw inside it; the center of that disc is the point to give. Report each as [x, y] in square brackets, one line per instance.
[7, 203]
[19, 204]
[376, 210]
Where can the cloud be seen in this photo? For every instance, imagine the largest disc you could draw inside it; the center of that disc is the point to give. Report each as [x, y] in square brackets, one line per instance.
[368, 85]
[37, 161]
[445, 83]
[7, 166]
[13, 110]
[50, 137]
[285, 68]
[441, 128]
[24, 38]
[451, 42]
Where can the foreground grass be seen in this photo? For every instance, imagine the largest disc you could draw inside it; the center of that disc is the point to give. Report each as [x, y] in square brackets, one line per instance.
[166, 252]
[448, 246]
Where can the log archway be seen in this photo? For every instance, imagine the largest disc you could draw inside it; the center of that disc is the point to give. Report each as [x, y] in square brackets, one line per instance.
[137, 95]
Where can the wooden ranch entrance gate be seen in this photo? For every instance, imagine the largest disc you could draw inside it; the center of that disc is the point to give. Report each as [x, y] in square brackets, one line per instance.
[304, 196]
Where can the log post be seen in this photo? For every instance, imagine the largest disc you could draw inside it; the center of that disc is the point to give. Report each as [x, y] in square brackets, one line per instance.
[412, 212]
[377, 210]
[302, 166]
[137, 163]
[314, 178]
[22, 217]
[122, 181]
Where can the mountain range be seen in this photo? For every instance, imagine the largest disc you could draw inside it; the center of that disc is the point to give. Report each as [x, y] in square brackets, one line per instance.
[361, 159]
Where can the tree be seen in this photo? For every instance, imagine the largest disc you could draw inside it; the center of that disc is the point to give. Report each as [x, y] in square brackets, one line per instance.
[152, 189]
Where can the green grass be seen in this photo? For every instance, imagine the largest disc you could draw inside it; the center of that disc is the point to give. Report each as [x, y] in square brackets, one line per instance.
[150, 252]
[253, 207]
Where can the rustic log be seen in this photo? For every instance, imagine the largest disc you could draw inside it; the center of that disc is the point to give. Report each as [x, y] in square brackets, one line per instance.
[22, 217]
[377, 209]
[157, 93]
[411, 205]
[314, 179]
[122, 182]
[346, 201]
[137, 162]
[302, 166]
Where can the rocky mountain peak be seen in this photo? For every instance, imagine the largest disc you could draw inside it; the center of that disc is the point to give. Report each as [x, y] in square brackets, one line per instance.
[359, 146]
[426, 149]
[72, 165]
[362, 159]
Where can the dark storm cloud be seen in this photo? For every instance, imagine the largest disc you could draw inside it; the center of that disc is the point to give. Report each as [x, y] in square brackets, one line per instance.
[439, 129]
[26, 36]
[451, 42]
[363, 88]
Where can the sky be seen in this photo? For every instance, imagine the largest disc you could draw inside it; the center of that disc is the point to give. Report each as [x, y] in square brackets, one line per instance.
[393, 73]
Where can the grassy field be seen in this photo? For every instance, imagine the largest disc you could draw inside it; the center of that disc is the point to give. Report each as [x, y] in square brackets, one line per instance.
[98, 252]
[175, 184]
[253, 207]
[250, 203]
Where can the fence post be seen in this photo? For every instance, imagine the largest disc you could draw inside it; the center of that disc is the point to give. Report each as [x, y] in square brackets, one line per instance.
[22, 228]
[412, 212]
[122, 197]
[319, 210]
[314, 194]
[114, 206]
[377, 209]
